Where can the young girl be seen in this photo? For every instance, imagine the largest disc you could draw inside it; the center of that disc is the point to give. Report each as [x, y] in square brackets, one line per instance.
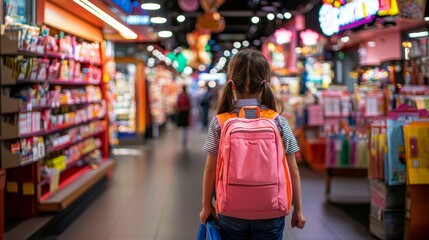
[249, 72]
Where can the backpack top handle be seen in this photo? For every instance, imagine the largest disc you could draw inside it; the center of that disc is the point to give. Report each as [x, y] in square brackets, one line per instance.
[243, 111]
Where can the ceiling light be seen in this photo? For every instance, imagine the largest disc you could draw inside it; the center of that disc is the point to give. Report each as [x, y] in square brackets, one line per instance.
[165, 34]
[222, 60]
[187, 70]
[255, 19]
[201, 67]
[158, 20]
[288, 15]
[150, 6]
[181, 18]
[418, 34]
[226, 53]
[371, 44]
[270, 16]
[256, 42]
[427, 19]
[237, 44]
[123, 30]
[280, 16]
[150, 48]
[245, 43]
[234, 51]
[175, 64]
[212, 84]
[345, 39]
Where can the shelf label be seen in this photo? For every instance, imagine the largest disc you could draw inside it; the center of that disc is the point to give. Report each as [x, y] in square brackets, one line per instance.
[28, 188]
[12, 187]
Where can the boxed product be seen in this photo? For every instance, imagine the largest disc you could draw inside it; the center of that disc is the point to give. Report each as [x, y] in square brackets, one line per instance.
[389, 226]
[387, 197]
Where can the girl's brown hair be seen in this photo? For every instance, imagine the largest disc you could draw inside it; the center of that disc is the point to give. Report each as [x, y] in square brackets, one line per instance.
[248, 69]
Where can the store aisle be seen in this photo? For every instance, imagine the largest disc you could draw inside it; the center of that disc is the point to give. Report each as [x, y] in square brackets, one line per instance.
[156, 190]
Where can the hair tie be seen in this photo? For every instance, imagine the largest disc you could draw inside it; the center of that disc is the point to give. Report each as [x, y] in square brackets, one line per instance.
[264, 82]
[232, 82]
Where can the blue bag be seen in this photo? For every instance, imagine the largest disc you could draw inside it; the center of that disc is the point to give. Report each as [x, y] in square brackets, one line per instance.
[209, 231]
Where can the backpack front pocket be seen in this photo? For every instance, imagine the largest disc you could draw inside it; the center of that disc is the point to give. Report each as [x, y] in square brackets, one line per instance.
[251, 198]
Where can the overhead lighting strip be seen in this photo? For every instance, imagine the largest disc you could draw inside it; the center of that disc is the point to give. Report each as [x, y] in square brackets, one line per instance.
[123, 30]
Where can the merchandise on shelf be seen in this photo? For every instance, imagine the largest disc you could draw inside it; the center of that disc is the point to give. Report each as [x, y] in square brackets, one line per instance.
[47, 120]
[37, 40]
[125, 103]
[162, 93]
[52, 70]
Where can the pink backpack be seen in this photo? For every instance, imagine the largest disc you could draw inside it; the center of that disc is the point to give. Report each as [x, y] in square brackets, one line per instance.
[252, 175]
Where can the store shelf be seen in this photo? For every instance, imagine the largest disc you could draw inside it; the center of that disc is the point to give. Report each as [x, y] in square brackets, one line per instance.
[11, 160]
[12, 105]
[10, 131]
[72, 82]
[74, 187]
[7, 79]
[67, 145]
[10, 47]
[82, 155]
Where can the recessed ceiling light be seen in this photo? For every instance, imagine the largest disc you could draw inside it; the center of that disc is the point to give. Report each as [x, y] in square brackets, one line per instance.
[287, 15]
[237, 45]
[150, 6]
[226, 53]
[158, 20]
[270, 16]
[150, 48]
[181, 18]
[234, 51]
[418, 34]
[165, 34]
[280, 16]
[255, 19]
[256, 42]
[345, 39]
[245, 43]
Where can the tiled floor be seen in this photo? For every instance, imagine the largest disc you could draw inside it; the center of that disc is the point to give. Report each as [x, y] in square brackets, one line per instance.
[155, 194]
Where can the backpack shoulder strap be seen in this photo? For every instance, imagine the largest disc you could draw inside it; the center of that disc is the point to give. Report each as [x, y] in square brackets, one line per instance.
[269, 113]
[223, 117]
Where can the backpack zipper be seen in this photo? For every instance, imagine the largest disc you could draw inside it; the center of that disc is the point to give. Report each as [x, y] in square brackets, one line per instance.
[252, 130]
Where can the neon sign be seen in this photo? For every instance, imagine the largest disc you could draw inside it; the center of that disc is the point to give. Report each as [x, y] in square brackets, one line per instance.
[282, 36]
[138, 20]
[309, 37]
[337, 17]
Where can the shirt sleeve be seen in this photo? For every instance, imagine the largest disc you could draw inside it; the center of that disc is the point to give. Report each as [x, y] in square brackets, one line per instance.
[289, 141]
[211, 144]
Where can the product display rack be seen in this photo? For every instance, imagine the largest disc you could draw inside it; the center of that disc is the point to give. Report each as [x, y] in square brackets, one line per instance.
[75, 138]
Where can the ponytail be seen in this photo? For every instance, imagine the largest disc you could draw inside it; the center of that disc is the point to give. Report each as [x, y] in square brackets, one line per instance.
[226, 103]
[268, 99]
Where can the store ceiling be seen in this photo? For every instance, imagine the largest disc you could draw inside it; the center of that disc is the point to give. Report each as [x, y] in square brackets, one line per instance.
[237, 14]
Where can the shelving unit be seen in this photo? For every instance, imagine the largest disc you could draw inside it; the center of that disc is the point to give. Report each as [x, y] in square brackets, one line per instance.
[75, 132]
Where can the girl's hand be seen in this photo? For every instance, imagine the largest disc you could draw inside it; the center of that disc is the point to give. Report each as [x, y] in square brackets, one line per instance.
[298, 219]
[205, 213]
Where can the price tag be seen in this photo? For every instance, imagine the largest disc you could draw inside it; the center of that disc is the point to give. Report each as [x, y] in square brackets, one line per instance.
[12, 187]
[28, 188]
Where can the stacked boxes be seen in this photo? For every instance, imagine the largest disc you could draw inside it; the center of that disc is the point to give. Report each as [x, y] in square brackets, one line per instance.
[387, 210]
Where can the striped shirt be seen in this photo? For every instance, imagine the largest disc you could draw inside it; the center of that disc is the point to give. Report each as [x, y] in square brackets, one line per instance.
[211, 144]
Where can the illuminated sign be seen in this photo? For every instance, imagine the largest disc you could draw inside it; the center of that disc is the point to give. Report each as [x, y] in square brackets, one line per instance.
[282, 36]
[335, 19]
[309, 37]
[125, 5]
[138, 20]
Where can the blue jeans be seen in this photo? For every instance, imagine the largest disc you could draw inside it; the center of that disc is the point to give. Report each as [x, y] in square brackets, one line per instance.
[242, 229]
